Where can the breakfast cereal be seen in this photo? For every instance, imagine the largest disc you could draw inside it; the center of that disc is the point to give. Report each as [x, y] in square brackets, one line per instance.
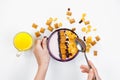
[93, 43]
[87, 22]
[50, 28]
[37, 34]
[56, 25]
[42, 30]
[72, 21]
[73, 29]
[95, 53]
[34, 25]
[97, 38]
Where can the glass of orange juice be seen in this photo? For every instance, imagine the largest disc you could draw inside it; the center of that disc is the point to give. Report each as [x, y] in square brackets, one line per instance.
[23, 41]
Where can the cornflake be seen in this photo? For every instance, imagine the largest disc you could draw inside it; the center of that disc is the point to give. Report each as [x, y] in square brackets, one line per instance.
[95, 53]
[34, 25]
[42, 30]
[87, 22]
[37, 34]
[49, 21]
[50, 28]
[97, 38]
[73, 29]
[69, 13]
[72, 21]
[83, 29]
[93, 43]
[56, 25]
[60, 24]
[84, 14]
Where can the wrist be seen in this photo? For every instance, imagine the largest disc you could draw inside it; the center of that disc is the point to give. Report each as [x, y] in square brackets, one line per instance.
[43, 66]
[41, 72]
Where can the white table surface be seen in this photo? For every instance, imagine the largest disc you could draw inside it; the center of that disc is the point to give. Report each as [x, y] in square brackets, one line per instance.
[18, 15]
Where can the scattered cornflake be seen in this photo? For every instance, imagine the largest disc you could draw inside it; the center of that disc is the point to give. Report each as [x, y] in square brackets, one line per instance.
[97, 38]
[93, 43]
[56, 25]
[72, 21]
[87, 49]
[89, 26]
[34, 25]
[84, 14]
[49, 21]
[88, 45]
[50, 28]
[83, 29]
[69, 13]
[60, 24]
[37, 34]
[88, 30]
[87, 22]
[89, 39]
[42, 30]
[95, 53]
[83, 19]
[73, 29]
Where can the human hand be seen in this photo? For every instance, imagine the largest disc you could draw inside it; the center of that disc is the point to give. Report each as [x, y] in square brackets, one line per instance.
[92, 73]
[42, 56]
[41, 52]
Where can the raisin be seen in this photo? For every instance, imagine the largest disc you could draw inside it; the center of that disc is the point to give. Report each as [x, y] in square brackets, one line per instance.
[84, 38]
[80, 21]
[70, 54]
[67, 39]
[68, 9]
[67, 55]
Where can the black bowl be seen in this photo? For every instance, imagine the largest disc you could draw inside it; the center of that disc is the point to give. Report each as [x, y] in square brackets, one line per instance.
[48, 45]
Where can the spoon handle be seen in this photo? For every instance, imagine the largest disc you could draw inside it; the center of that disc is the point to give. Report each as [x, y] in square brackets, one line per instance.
[88, 64]
[87, 60]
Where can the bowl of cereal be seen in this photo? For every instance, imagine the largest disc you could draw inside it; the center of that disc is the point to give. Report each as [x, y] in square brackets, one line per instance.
[62, 45]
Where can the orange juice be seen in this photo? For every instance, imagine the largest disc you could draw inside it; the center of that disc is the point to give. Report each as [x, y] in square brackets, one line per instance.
[23, 41]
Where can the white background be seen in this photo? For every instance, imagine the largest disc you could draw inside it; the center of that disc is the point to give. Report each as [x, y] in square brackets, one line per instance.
[18, 15]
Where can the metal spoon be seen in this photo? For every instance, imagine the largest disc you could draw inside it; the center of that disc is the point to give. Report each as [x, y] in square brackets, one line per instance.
[82, 48]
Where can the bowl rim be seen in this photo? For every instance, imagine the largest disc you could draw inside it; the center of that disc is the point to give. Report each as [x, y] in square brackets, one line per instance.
[49, 46]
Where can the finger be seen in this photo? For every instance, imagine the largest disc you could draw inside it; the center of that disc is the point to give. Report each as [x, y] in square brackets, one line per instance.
[90, 75]
[44, 43]
[84, 71]
[38, 44]
[84, 67]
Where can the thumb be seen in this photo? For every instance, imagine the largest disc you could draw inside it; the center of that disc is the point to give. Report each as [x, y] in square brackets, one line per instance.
[44, 44]
[90, 74]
